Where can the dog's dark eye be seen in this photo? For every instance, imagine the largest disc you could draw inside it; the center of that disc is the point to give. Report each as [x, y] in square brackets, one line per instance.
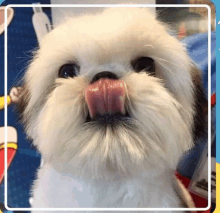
[68, 71]
[144, 64]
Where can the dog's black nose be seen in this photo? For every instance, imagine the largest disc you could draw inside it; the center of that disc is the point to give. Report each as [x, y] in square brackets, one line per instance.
[104, 74]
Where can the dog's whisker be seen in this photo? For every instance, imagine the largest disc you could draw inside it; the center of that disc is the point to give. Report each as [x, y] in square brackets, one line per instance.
[148, 45]
[167, 68]
[162, 59]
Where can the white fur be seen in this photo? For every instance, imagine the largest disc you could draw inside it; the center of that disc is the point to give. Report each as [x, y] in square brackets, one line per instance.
[75, 192]
[87, 165]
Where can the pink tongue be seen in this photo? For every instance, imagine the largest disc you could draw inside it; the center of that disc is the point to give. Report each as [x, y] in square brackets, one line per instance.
[105, 96]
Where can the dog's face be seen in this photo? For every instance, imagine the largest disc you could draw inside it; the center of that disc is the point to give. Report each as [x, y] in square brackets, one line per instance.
[110, 93]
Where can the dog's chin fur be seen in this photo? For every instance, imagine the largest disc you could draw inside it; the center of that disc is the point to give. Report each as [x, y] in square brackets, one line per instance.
[161, 107]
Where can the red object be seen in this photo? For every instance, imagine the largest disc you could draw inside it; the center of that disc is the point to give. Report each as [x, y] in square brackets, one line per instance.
[199, 202]
[213, 99]
[12, 148]
[182, 31]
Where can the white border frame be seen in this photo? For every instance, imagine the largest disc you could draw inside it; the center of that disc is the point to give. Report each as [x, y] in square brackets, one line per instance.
[209, 109]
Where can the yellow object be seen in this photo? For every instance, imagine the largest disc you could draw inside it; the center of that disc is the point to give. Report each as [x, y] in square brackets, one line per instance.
[217, 209]
[9, 145]
[2, 102]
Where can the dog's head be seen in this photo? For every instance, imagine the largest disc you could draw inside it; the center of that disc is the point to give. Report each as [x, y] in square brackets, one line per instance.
[111, 93]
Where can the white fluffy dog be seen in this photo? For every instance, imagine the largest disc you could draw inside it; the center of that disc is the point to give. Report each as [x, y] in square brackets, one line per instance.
[110, 101]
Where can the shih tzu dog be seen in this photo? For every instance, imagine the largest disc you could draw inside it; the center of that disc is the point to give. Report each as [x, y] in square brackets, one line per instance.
[111, 101]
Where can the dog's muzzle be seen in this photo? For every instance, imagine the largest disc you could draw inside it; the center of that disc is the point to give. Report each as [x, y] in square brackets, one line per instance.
[105, 96]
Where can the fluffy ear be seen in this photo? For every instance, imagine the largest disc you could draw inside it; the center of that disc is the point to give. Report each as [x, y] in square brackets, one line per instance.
[200, 106]
[22, 103]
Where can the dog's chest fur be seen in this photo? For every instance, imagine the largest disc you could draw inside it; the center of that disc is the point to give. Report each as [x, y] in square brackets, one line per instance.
[57, 190]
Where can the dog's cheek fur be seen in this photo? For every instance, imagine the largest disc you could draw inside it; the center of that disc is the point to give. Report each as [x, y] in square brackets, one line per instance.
[38, 83]
[62, 115]
[25, 116]
[28, 112]
[160, 114]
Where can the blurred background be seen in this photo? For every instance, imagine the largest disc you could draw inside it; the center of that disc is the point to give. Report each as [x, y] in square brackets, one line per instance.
[188, 21]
